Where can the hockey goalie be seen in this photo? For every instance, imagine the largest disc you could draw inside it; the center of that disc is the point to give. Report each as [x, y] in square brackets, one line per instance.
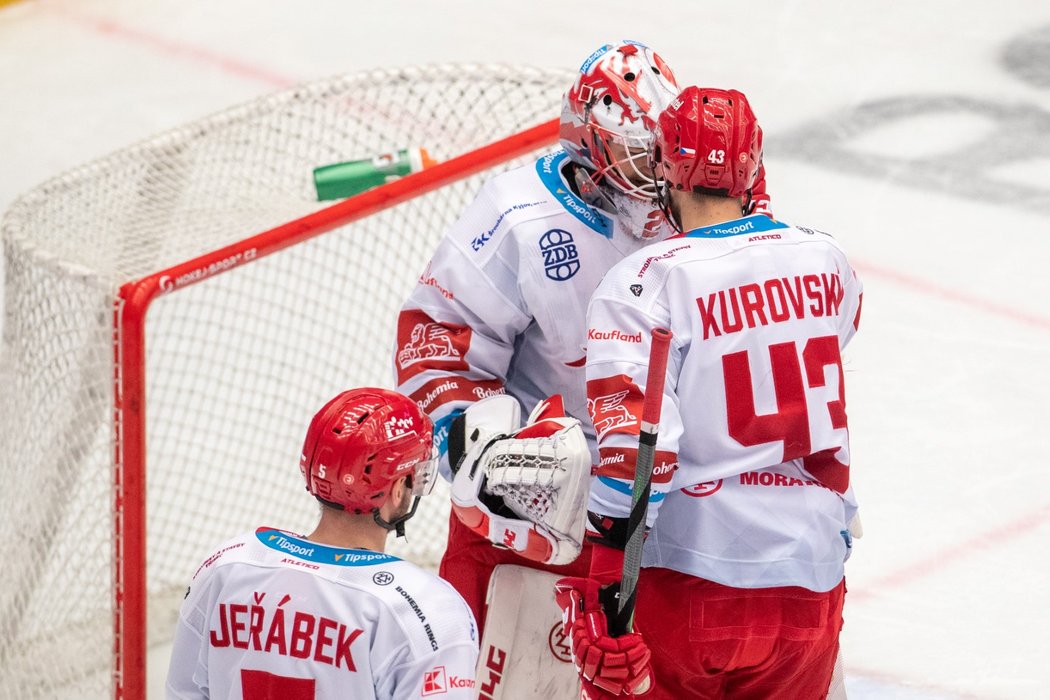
[496, 325]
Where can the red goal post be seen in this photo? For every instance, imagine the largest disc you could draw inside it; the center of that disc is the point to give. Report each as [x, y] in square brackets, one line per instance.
[216, 364]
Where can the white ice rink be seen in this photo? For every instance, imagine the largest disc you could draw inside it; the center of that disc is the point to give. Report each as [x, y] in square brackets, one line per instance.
[918, 133]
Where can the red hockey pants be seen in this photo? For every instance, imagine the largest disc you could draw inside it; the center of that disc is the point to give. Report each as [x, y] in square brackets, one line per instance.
[713, 641]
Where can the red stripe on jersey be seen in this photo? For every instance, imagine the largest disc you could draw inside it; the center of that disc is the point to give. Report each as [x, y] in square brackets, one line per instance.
[425, 344]
[438, 392]
[615, 405]
[618, 463]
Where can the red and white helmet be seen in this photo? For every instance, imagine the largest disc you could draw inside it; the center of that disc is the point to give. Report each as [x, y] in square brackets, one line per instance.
[708, 141]
[360, 443]
[608, 114]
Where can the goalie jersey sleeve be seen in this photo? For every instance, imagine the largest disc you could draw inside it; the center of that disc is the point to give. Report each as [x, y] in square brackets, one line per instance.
[273, 615]
[456, 332]
[502, 305]
[751, 477]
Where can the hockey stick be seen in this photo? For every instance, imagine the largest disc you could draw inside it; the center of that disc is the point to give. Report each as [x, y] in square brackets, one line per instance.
[643, 477]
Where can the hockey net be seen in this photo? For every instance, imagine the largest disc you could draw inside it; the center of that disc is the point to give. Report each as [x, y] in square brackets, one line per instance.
[231, 366]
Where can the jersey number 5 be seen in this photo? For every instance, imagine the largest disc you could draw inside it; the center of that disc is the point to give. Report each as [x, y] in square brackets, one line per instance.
[790, 423]
[261, 685]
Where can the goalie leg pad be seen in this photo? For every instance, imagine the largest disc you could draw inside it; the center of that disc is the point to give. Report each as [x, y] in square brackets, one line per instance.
[524, 651]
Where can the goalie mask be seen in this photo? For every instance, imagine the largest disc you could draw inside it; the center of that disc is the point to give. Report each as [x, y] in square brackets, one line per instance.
[360, 443]
[609, 113]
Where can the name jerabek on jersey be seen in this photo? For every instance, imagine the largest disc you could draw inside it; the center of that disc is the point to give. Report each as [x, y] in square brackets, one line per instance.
[306, 636]
[773, 301]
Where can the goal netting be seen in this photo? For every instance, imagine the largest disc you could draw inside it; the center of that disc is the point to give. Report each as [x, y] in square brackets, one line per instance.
[235, 364]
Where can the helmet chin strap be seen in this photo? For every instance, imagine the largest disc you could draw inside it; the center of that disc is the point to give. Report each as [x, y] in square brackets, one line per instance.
[665, 206]
[397, 524]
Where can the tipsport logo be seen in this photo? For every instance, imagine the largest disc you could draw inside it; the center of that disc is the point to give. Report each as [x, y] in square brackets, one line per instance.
[703, 489]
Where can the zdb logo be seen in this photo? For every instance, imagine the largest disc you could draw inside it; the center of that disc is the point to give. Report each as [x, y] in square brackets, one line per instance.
[702, 489]
[558, 643]
[428, 341]
[608, 412]
[560, 257]
[434, 681]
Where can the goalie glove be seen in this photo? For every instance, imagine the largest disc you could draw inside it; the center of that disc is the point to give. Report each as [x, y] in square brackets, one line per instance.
[608, 666]
[524, 489]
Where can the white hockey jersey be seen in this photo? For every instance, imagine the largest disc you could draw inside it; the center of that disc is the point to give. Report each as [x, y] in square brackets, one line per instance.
[751, 481]
[273, 615]
[502, 305]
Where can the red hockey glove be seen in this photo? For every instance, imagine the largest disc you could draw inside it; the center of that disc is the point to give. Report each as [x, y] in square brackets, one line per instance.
[609, 667]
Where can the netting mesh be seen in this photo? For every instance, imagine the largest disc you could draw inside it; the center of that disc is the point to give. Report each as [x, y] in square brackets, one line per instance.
[236, 365]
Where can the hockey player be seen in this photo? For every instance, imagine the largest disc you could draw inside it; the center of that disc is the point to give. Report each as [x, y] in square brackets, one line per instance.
[741, 590]
[328, 615]
[505, 295]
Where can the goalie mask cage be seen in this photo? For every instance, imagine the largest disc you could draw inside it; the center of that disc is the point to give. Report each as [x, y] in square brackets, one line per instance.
[133, 443]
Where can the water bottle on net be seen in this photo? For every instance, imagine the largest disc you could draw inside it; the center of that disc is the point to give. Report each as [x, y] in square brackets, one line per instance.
[341, 180]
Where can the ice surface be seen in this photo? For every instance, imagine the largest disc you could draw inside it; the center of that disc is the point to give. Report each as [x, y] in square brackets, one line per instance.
[919, 134]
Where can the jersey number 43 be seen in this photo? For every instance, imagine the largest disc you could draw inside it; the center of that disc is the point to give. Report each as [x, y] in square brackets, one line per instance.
[790, 423]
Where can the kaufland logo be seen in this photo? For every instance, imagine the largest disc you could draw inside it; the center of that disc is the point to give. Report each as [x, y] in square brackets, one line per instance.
[614, 334]
[434, 681]
[437, 682]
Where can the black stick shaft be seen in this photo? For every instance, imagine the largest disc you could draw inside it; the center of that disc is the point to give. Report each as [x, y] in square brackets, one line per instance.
[643, 476]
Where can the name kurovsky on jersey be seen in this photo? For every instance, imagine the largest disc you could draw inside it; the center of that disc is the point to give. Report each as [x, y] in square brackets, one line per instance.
[773, 301]
[304, 636]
